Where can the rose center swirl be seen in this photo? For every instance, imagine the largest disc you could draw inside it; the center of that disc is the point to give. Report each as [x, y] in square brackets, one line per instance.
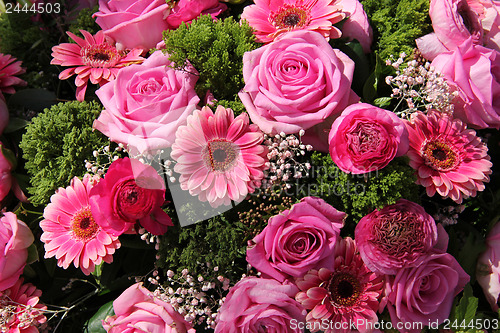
[344, 289]
[290, 17]
[220, 155]
[83, 225]
[440, 156]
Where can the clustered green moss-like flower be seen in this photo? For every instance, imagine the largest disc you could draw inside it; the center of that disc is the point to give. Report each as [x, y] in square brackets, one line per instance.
[85, 21]
[56, 144]
[215, 49]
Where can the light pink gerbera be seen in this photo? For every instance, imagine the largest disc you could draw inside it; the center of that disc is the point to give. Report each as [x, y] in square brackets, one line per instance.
[9, 67]
[91, 58]
[449, 158]
[272, 18]
[348, 295]
[19, 308]
[220, 158]
[70, 232]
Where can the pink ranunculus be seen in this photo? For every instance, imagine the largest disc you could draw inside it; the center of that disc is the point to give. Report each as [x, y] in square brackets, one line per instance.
[15, 238]
[146, 104]
[488, 268]
[396, 236]
[130, 191]
[188, 10]
[295, 83]
[254, 303]
[424, 293]
[137, 310]
[356, 26]
[489, 16]
[4, 114]
[474, 71]
[453, 22]
[297, 240]
[366, 138]
[133, 23]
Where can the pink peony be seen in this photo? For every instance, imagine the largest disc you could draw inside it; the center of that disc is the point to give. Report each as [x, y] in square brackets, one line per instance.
[453, 22]
[396, 236]
[146, 104]
[9, 68]
[347, 295]
[356, 26]
[270, 19]
[297, 240]
[188, 10]
[220, 158]
[92, 59]
[130, 192]
[70, 231]
[424, 293]
[488, 268]
[15, 238]
[366, 138]
[448, 158]
[255, 304]
[20, 308]
[133, 23]
[137, 310]
[474, 71]
[295, 83]
[4, 114]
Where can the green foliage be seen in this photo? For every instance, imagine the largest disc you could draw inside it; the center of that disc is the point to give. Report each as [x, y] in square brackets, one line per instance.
[215, 49]
[237, 107]
[358, 195]
[57, 143]
[85, 21]
[397, 23]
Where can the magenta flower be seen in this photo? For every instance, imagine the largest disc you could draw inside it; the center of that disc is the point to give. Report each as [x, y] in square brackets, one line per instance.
[7, 181]
[92, 58]
[9, 68]
[4, 114]
[270, 18]
[20, 309]
[70, 232]
[488, 268]
[366, 138]
[396, 236]
[130, 192]
[348, 294]
[448, 158]
[188, 10]
[219, 157]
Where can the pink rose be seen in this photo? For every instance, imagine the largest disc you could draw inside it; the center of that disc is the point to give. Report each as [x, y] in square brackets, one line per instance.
[15, 238]
[296, 83]
[254, 303]
[297, 240]
[425, 293]
[133, 23]
[396, 236]
[366, 138]
[356, 26]
[130, 192]
[453, 22]
[488, 268]
[137, 310]
[474, 71]
[489, 16]
[146, 104]
[4, 114]
[188, 10]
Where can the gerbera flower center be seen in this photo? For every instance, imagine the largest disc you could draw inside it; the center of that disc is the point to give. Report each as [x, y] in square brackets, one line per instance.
[344, 289]
[440, 156]
[290, 17]
[100, 55]
[83, 225]
[220, 155]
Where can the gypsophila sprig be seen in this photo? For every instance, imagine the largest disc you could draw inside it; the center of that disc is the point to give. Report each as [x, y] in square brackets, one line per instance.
[104, 156]
[418, 87]
[448, 215]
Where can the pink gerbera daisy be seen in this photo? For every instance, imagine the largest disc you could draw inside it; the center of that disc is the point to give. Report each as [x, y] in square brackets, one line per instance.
[271, 18]
[220, 158]
[348, 295]
[70, 232]
[449, 158]
[9, 67]
[91, 58]
[19, 308]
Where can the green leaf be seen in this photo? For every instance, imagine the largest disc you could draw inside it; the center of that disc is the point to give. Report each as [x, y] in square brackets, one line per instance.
[32, 254]
[382, 101]
[9, 155]
[33, 99]
[466, 308]
[468, 253]
[16, 124]
[94, 324]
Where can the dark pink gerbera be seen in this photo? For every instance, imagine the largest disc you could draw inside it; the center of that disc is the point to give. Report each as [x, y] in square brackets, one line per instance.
[92, 58]
[448, 158]
[9, 68]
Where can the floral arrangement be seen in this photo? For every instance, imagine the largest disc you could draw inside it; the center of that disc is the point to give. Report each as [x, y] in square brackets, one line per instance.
[250, 166]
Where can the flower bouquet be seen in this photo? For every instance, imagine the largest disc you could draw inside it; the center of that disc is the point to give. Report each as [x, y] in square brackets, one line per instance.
[250, 166]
